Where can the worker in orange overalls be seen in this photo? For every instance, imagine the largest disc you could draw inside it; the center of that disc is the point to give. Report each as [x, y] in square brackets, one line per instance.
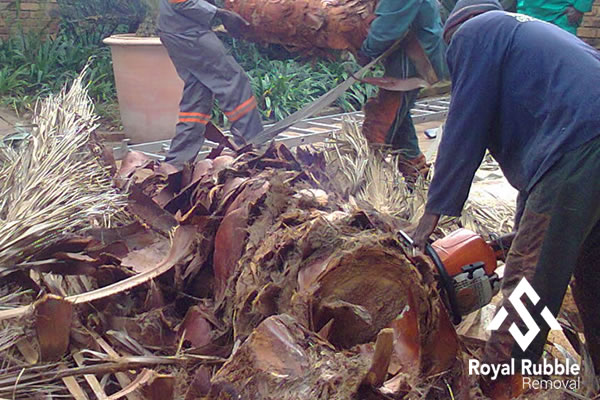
[207, 71]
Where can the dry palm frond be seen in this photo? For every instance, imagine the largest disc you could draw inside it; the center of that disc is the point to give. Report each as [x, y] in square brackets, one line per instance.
[384, 189]
[12, 296]
[11, 332]
[370, 175]
[492, 202]
[9, 335]
[26, 382]
[54, 184]
[484, 218]
[348, 155]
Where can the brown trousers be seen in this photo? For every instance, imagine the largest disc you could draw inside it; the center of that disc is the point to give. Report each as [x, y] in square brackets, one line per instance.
[388, 121]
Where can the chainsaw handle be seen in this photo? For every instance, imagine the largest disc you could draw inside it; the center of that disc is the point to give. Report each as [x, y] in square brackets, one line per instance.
[447, 283]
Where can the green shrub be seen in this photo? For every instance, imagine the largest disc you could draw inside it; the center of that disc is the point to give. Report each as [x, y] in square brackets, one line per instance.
[283, 84]
[11, 81]
[34, 65]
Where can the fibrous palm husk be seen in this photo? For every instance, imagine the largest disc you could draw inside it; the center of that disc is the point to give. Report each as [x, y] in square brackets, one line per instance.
[55, 183]
[307, 24]
[284, 245]
[283, 360]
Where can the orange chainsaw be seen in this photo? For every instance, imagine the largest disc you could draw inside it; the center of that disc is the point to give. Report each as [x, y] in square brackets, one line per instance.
[466, 265]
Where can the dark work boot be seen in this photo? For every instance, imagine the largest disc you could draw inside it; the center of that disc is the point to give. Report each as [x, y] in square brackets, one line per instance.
[413, 168]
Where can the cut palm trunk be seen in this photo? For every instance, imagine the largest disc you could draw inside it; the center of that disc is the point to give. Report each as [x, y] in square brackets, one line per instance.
[284, 244]
[310, 25]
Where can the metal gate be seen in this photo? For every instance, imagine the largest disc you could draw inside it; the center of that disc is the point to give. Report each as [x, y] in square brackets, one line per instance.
[312, 130]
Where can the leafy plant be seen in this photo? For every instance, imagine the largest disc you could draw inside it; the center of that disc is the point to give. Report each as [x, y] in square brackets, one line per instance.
[148, 25]
[11, 81]
[97, 19]
[283, 86]
[34, 65]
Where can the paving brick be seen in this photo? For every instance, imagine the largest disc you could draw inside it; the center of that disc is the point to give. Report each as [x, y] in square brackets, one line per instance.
[592, 23]
[33, 14]
[590, 26]
[31, 6]
[586, 32]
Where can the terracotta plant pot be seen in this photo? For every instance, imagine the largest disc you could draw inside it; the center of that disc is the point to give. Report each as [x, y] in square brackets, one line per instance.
[148, 87]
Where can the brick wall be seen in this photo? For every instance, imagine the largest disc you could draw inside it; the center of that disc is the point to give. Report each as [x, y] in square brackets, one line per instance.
[30, 14]
[590, 27]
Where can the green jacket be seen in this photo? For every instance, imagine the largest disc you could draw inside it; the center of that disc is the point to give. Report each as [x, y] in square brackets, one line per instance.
[446, 7]
[553, 11]
[394, 19]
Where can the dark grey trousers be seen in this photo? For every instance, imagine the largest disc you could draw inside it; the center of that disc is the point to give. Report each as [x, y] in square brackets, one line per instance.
[207, 72]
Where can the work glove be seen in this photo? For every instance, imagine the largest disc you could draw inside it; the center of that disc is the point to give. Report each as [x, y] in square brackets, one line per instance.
[574, 16]
[233, 22]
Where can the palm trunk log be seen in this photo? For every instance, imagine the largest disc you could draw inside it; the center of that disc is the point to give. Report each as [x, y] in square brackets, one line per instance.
[296, 286]
[302, 282]
[307, 24]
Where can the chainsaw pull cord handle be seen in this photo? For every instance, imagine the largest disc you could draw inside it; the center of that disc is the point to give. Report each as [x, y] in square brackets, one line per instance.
[446, 283]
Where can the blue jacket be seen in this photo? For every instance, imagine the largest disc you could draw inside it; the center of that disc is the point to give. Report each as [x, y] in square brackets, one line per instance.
[522, 88]
[393, 20]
